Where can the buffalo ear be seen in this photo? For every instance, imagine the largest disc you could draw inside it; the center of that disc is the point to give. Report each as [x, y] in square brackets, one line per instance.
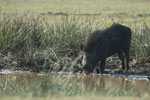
[82, 48]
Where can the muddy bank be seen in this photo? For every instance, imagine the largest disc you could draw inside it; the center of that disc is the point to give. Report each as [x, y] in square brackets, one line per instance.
[126, 76]
[113, 67]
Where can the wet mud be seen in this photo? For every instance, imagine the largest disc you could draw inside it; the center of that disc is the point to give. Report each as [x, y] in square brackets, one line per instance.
[138, 71]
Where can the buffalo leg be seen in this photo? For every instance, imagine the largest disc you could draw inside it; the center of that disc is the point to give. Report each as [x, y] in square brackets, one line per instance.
[102, 65]
[121, 56]
[127, 58]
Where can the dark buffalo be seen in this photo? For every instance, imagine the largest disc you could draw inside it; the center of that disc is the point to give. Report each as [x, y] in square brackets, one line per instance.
[104, 43]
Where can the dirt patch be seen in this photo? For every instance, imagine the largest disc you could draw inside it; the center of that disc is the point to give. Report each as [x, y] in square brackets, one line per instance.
[137, 69]
[113, 66]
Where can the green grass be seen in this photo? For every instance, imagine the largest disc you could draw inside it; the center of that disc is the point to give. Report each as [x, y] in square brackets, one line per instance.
[126, 11]
[28, 40]
[84, 6]
[32, 39]
[140, 43]
[31, 42]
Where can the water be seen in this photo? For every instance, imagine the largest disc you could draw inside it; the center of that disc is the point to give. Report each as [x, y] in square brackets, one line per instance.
[41, 84]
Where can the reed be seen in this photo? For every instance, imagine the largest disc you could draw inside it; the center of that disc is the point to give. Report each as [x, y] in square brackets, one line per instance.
[32, 42]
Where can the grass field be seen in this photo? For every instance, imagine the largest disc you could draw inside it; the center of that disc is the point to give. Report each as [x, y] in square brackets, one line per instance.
[42, 32]
[75, 6]
[45, 35]
[116, 10]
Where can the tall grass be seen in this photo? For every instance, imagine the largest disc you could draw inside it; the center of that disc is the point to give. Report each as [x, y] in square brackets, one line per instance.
[140, 47]
[33, 42]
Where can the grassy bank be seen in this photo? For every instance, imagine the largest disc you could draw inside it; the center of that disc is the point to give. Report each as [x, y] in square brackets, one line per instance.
[31, 42]
[46, 34]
